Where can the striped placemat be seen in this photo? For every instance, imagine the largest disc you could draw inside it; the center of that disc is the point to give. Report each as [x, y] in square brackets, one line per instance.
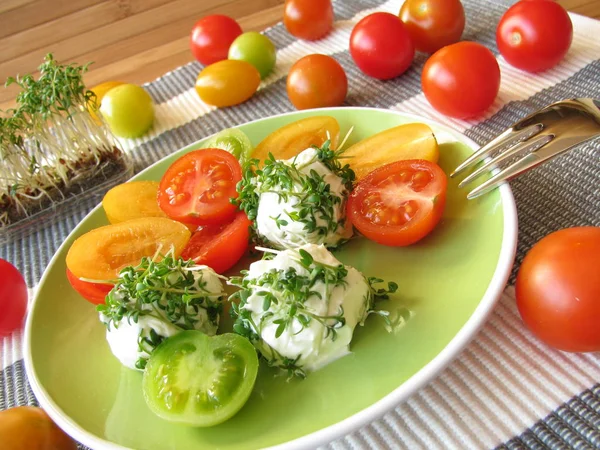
[506, 389]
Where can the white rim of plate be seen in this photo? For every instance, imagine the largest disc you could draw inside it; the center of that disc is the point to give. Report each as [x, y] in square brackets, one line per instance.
[377, 409]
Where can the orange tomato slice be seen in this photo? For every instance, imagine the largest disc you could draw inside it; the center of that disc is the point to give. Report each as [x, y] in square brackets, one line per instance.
[132, 200]
[101, 253]
[409, 141]
[291, 139]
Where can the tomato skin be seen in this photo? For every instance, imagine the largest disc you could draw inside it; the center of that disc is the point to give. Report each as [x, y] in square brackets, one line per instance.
[211, 37]
[227, 83]
[308, 19]
[381, 46]
[433, 24]
[461, 80]
[400, 203]
[558, 292]
[534, 35]
[128, 109]
[197, 187]
[94, 293]
[13, 298]
[220, 247]
[255, 48]
[317, 81]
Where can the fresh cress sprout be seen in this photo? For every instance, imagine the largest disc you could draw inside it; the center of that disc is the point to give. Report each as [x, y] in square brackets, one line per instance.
[316, 203]
[172, 290]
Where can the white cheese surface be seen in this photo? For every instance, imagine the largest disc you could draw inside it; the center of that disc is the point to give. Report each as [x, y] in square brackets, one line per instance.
[311, 342]
[271, 206]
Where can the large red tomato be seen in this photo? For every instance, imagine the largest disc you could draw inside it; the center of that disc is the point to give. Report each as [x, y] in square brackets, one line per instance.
[211, 37]
[308, 19]
[381, 46]
[534, 35]
[558, 289]
[433, 24]
[461, 80]
[399, 203]
[317, 81]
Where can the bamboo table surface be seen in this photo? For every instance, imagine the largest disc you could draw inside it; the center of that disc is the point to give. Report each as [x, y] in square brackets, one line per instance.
[128, 40]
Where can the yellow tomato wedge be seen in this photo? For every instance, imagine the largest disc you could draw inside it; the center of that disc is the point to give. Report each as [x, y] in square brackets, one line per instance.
[101, 253]
[409, 141]
[291, 139]
[132, 200]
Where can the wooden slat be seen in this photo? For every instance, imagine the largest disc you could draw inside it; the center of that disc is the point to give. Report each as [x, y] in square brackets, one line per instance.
[7, 5]
[590, 8]
[36, 12]
[71, 26]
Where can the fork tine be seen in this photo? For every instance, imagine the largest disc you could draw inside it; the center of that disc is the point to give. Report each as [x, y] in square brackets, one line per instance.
[517, 168]
[530, 145]
[508, 137]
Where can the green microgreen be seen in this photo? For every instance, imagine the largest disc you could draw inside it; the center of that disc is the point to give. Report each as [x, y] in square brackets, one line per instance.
[172, 290]
[315, 204]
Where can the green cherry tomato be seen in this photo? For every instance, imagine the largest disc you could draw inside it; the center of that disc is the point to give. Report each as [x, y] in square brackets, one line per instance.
[198, 380]
[128, 110]
[233, 140]
[255, 48]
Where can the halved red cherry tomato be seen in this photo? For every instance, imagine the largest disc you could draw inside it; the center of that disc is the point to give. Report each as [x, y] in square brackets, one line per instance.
[400, 203]
[219, 246]
[197, 188]
[93, 292]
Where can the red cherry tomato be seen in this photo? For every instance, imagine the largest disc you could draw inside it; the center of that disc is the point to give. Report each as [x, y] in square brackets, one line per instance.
[317, 81]
[308, 19]
[534, 35]
[211, 37]
[400, 203]
[13, 298]
[558, 292]
[219, 246]
[433, 24]
[381, 46]
[197, 188]
[461, 80]
[93, 292]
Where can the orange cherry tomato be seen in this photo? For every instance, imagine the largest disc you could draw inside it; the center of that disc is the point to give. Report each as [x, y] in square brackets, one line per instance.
[308, 19]
[30, 428]
[399, 203]
[101, 253]
[227, 83]
[291, 139]
[220, 246]
[93, 292]
[317, 81]
[557, 289]
[433, 24]
[197, 188]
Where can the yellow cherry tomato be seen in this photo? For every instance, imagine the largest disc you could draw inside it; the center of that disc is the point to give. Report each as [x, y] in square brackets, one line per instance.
[409, 141]
[291, 139]
[227, 83]
[30, 428]
[132, 200]
[101, 89]
[101, 253]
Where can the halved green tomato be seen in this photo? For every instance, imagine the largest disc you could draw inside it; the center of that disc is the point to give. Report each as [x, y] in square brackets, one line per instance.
[198, 380]
[233, 140]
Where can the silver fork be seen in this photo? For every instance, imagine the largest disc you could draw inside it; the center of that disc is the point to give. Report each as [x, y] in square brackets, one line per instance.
[540, 136]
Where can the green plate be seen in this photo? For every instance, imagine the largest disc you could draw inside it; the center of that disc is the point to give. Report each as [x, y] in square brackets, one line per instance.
[450, 281]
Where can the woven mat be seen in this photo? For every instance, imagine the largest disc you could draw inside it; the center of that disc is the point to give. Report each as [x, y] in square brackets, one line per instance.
[506, 389]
